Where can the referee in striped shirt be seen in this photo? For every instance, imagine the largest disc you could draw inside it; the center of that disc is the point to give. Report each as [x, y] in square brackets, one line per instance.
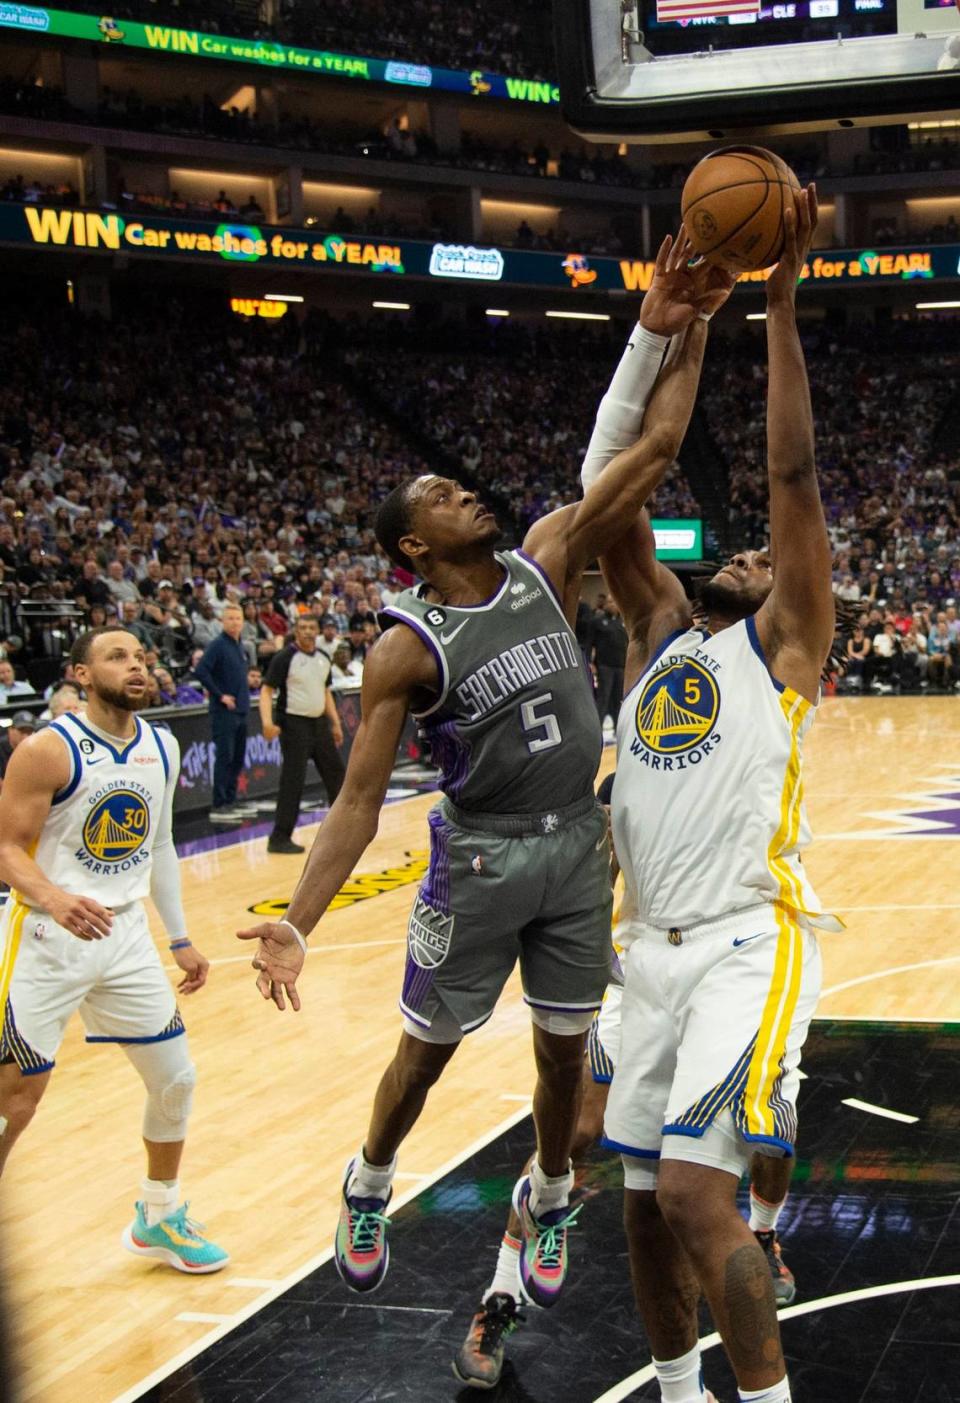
[307, 723]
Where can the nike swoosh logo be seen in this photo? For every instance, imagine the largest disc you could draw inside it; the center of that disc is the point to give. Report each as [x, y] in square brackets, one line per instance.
[91, 763]
[746, 939]
[449, 637]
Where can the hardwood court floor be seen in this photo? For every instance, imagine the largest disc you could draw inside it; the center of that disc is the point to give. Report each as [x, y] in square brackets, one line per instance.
[283, 1099]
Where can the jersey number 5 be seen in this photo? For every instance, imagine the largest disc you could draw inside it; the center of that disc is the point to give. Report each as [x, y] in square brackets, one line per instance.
[546, 724]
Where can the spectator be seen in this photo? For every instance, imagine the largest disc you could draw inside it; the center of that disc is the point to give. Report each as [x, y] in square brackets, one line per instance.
[610, 655]
[121, 588]
[308, 724]
[22, 725]
[346, 674]
[857, 652]
[329, 639]
[10, 685]
[939, 657]
[65, 698]
[223, 672]
[885, 656]
[206, 625]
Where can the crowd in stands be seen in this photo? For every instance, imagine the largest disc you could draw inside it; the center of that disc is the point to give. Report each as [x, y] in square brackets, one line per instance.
[890, 475]
[591, 164]
[513, 412]
[514, 36]
[153, 475]
[158, 472]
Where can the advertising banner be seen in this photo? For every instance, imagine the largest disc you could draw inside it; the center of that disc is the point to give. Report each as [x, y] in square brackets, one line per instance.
[310, 250]
[268, 53]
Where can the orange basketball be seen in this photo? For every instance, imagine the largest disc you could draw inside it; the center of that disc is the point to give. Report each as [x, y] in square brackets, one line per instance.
[732, 206]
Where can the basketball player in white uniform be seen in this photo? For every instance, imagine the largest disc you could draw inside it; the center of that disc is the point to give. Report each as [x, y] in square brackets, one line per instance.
[85, 835]
[723, 971]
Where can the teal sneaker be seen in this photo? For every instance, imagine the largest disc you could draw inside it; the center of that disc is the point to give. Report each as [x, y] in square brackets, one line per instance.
[175, 1240]
[361, 1252]
[543, 1251]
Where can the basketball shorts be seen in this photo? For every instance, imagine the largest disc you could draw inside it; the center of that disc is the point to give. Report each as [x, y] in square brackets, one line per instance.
[713, 1022]
[503, 888]
[118, 985]
[603, 1043]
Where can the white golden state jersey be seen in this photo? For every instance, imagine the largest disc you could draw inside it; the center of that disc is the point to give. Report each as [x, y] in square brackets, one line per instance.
[98, 838]
[708, 815]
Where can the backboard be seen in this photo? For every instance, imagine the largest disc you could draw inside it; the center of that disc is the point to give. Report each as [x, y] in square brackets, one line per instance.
[687, 69]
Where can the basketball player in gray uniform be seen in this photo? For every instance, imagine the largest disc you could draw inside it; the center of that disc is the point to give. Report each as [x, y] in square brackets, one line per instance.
[484, 655]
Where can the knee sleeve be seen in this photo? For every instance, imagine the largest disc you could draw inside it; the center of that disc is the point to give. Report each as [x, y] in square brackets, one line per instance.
[169, 1077]
[562, 1022]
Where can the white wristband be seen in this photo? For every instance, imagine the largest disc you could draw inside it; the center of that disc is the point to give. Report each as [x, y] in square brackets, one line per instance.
[705, 316]
[297, 936]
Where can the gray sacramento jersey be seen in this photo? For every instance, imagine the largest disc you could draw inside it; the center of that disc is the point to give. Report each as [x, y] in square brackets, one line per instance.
[514, 728]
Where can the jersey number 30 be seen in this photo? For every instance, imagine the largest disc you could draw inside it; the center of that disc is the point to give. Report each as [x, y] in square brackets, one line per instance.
[546, 724]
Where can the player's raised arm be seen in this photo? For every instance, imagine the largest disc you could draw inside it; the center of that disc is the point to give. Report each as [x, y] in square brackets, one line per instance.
[399, 667]
[39, 769]
[796, 625]
[635, 441]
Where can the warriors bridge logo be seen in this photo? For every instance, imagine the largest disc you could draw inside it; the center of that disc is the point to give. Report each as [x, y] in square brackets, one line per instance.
[117, 826]
[360, 887]
[677, 708]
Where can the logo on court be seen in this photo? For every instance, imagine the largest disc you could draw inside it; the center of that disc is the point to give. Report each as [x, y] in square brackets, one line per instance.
[117, 826]
[360, 887]
[428, 935]
[677, 708]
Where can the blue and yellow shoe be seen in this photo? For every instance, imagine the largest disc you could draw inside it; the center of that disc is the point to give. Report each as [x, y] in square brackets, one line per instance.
[361, 1252]
[175, 1240]
[543, 1250]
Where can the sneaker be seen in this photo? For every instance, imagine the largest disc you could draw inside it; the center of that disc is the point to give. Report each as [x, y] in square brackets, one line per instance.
[479, 1361]
[360, 1250]
[784, 1286]
[284, 845]
[543, 1250]
[175, 1240]
[229, 815]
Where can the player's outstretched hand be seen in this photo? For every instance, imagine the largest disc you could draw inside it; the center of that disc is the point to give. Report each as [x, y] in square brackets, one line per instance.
[671, 302]
[278, 961]
[195, 969]
[799, 224]
[81, 916]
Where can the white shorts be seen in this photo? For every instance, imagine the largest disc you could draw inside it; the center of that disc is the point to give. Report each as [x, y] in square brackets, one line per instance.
[118, 984]
[603, 1041]
[711, 1033]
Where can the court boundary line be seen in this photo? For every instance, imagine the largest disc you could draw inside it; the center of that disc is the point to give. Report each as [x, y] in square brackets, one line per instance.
[312, 1264]
[647, 1374]
[885, 973]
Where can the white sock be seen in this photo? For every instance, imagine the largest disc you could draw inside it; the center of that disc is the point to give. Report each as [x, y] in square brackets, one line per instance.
[159, 1198]
[764, 1216]
[546, 1193]
[681, 1380]
[780, 1393]
[505, 1278]
[371, 1180]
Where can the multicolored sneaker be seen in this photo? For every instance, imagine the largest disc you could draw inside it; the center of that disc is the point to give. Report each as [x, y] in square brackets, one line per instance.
[479, 1361]
[543, 1247]
[784, 1286]
[361, 1251]
[176, 1240]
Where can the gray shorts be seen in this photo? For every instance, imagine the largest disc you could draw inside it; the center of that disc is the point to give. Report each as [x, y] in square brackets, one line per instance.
[508, 887]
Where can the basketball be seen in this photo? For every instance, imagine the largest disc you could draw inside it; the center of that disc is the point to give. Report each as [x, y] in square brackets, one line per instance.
[732, 206]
